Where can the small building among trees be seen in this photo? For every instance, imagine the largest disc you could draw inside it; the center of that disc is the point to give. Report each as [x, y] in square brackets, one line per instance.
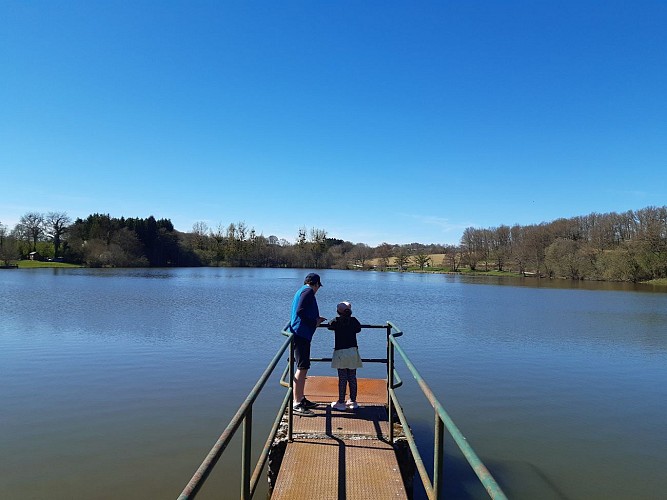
[35, 256]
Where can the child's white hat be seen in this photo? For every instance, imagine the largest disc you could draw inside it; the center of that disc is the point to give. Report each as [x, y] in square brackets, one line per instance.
[343, 306]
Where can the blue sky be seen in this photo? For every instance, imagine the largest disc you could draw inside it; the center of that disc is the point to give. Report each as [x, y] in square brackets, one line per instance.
[375, 121]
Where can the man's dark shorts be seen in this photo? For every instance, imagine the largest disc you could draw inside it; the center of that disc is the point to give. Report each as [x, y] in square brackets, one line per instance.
[301, 352]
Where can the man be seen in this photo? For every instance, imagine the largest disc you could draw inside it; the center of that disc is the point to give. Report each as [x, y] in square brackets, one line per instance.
[304, 321]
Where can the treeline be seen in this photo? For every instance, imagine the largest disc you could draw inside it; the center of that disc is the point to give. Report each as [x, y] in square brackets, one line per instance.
[97, 241]
[104, 241]
[631, 246]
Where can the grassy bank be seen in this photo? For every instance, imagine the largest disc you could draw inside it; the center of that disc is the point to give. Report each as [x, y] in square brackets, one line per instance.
[659, 282]
[32, 264]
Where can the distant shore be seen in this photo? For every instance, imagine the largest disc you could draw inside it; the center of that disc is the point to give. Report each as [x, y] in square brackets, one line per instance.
[32, 264]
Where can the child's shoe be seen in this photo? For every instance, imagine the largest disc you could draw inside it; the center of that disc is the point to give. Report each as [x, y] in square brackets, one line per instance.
[352, 405]
[336, 405]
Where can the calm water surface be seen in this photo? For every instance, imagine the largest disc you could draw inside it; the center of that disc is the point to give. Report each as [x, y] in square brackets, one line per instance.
[116, 383]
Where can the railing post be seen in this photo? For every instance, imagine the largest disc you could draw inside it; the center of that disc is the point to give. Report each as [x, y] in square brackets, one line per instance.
[245, 455]
[290, 413]
[390, 384]
[438, 455]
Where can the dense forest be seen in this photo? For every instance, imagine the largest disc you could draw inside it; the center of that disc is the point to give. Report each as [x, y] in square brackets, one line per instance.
[630, 246]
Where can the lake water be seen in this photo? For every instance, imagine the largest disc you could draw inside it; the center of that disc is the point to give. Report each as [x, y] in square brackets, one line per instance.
[116, 383]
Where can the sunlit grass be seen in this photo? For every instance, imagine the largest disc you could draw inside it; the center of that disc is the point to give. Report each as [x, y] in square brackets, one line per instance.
[660, 282]
[31, 264]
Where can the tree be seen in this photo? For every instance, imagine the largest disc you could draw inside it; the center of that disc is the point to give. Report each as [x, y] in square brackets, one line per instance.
[33, 225]
[384, 253]
[318, 238]
[360, 253]
[219, 240]
[422, 260]
[452, 257]
[471, 246]
[652, 240]
[55, 226]
[563, 258]
[402, 259]
[200, 232]
[501, 247]
[8, 248]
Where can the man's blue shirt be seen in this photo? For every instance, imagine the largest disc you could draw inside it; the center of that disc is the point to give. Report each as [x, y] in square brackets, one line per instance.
[305, 313]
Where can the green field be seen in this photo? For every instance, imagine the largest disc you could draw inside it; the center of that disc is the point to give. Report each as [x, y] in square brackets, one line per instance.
[31, 264]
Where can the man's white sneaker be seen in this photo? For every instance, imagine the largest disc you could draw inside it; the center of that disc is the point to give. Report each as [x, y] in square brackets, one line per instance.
[352, 405]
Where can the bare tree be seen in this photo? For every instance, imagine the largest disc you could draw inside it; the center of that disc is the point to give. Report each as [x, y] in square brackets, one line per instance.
[501, 245]
[55, 226]
[452, 257]
[384, 253]
[360, 253]
[471, 246]
[200, 232]
[33, 225]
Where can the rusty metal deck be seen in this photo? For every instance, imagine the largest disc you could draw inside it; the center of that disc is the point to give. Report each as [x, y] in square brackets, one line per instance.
[325, 390]
[341, 454]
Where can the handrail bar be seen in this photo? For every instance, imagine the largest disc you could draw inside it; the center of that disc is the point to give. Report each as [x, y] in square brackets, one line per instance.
[286, 331]
[416, 456]
[397, 379]
[487, 480]
[264, 455]
[197, 481]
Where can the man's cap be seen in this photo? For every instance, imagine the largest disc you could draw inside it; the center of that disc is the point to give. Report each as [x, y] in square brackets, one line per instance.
[312, 279]
[343, 306]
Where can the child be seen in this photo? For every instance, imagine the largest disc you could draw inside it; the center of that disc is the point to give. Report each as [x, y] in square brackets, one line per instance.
[346, 355]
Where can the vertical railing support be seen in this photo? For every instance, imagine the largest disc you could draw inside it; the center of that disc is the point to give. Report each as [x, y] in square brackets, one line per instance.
[438, 455]
[290, 413]
[245, 455]
[390, 384]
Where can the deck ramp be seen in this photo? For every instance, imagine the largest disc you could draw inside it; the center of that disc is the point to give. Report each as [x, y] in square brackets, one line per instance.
[341, 455]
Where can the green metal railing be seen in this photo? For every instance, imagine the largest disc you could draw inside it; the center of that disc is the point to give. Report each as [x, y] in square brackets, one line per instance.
[287, 378]
[442, 422]
[243, 417]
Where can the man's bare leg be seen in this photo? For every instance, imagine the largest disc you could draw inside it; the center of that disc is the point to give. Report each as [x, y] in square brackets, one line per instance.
[299, 385]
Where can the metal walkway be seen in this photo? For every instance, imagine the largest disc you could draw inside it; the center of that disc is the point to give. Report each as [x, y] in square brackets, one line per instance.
[341, 454]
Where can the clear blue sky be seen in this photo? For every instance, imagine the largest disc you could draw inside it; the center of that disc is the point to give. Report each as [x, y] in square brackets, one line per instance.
[375, 121]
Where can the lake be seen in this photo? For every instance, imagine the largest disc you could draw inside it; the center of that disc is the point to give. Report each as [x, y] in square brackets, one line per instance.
[116, 383]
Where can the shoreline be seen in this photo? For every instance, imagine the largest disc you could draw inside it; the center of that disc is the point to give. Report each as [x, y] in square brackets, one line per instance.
[661, 282]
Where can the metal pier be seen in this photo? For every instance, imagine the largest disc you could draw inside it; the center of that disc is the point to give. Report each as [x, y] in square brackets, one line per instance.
[341, 454]
[351, 454]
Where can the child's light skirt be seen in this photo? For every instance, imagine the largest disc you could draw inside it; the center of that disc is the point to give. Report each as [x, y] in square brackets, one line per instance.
[346, 358]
